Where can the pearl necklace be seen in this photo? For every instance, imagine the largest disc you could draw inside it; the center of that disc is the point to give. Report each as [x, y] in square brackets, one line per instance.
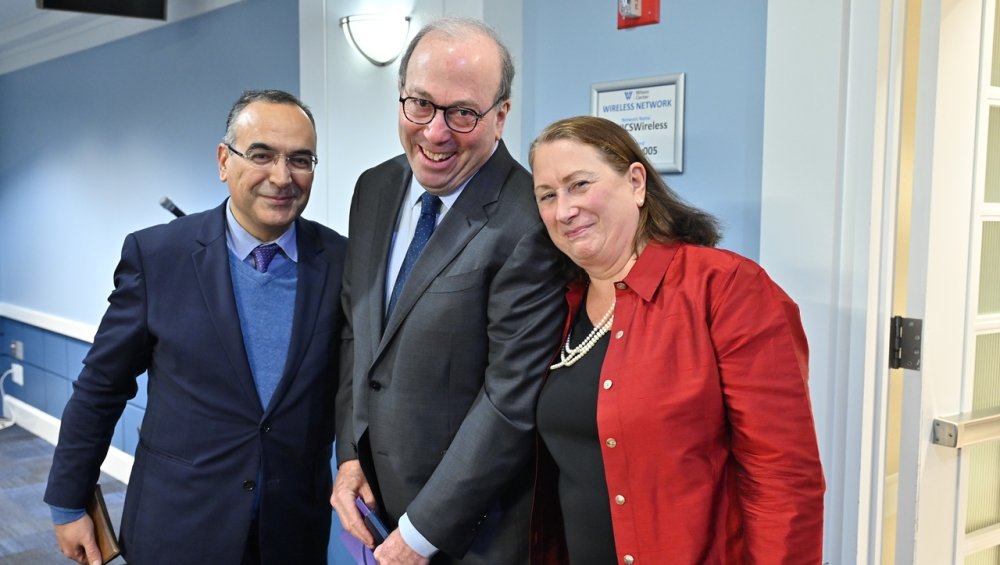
[570, 355]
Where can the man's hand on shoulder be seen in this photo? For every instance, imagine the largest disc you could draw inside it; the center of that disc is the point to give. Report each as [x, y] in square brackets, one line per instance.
[394, 551]
[350, 484]
[77, 542]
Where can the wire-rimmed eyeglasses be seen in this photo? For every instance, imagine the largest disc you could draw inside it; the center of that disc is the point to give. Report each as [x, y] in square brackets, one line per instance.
[264, 158]
[458, 118]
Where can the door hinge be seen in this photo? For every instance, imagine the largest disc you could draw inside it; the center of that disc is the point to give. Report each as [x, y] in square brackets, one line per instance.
[904, 343]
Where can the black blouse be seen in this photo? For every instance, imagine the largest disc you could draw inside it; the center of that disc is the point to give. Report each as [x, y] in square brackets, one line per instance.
[567, 422]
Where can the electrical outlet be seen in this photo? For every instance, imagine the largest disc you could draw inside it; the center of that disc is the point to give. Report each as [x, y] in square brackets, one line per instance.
[17, 349]
[17, 373]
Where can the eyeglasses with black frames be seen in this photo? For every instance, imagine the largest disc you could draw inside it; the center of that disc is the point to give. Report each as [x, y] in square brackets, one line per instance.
[264, 158]
[458, 118]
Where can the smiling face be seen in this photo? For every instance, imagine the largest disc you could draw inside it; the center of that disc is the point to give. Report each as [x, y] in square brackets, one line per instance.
[590, 210]
[452, 71]
[265, 201]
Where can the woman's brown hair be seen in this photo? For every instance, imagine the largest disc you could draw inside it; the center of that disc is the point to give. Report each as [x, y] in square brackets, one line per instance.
[664, 216]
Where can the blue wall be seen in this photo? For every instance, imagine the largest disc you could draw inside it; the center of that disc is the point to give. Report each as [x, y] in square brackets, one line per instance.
[90, 142]
[571, 44]
[51, 363]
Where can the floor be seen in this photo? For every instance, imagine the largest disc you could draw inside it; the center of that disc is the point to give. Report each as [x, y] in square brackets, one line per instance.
[26, 536]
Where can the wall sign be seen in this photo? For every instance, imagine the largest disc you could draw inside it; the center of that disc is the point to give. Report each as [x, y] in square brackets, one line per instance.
[652, 110]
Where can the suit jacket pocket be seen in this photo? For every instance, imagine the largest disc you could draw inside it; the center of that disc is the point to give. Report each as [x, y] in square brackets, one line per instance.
[457, 283]
[163, 455]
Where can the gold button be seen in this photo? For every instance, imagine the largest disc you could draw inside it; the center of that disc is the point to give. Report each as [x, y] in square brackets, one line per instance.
[619, 500]
[621, 286]
[619, 334]
[629, 560]
[607, 384]
[611, 442]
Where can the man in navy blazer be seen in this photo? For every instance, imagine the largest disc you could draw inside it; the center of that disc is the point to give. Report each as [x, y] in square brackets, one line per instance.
[240, 346]
[436, 413]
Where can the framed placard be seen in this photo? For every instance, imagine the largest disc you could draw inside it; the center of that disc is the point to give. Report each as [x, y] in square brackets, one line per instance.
[652, 110]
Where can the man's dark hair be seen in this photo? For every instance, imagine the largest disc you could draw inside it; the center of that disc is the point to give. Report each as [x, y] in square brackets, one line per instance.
[272, 96]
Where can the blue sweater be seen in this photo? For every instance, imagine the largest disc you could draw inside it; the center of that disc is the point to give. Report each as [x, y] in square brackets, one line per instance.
[266, 304]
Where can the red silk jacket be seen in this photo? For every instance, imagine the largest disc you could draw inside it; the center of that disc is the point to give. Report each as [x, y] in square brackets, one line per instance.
[704, 419]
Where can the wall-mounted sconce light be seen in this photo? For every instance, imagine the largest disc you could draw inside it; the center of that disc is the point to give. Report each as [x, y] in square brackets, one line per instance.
[380, 38]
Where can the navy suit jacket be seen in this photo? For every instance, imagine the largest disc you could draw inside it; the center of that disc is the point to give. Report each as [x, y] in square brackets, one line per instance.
[445, 389]
[205, 435]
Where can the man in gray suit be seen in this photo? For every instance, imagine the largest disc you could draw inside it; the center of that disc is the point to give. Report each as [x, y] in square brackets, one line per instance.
[436, 410]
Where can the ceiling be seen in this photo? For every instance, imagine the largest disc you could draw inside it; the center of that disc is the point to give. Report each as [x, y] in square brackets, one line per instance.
[30, 35]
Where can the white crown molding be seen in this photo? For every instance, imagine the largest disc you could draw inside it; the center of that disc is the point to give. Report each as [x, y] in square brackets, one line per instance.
[30, 35]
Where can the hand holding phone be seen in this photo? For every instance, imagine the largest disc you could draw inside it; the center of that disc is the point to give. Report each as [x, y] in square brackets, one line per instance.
[372, 521]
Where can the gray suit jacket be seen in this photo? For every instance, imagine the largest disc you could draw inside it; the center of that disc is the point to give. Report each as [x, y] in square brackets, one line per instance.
[445, 389]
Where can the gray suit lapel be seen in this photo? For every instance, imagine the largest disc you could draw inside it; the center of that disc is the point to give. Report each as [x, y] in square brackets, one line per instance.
[468, 216]
[390, 199]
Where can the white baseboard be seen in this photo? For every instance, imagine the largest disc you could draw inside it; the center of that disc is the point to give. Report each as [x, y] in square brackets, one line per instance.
[55, 324]
[118, 464]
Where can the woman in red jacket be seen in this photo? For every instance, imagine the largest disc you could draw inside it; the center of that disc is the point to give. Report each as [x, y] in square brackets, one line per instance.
[675, 424]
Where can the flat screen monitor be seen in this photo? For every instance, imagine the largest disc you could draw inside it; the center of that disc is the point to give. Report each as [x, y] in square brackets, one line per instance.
[150, 9]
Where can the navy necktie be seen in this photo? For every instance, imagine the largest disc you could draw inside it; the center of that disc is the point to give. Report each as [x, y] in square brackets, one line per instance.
[262, 255]
[429, 205]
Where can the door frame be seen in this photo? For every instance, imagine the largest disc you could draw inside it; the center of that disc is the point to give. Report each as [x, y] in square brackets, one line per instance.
[828, 237]
[932, 477]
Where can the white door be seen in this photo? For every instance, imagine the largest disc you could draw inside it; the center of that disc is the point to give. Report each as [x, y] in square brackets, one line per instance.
[941, 504]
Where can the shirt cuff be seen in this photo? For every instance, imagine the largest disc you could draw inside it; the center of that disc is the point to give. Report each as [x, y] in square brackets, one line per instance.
[62, 515]
[414, 539]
